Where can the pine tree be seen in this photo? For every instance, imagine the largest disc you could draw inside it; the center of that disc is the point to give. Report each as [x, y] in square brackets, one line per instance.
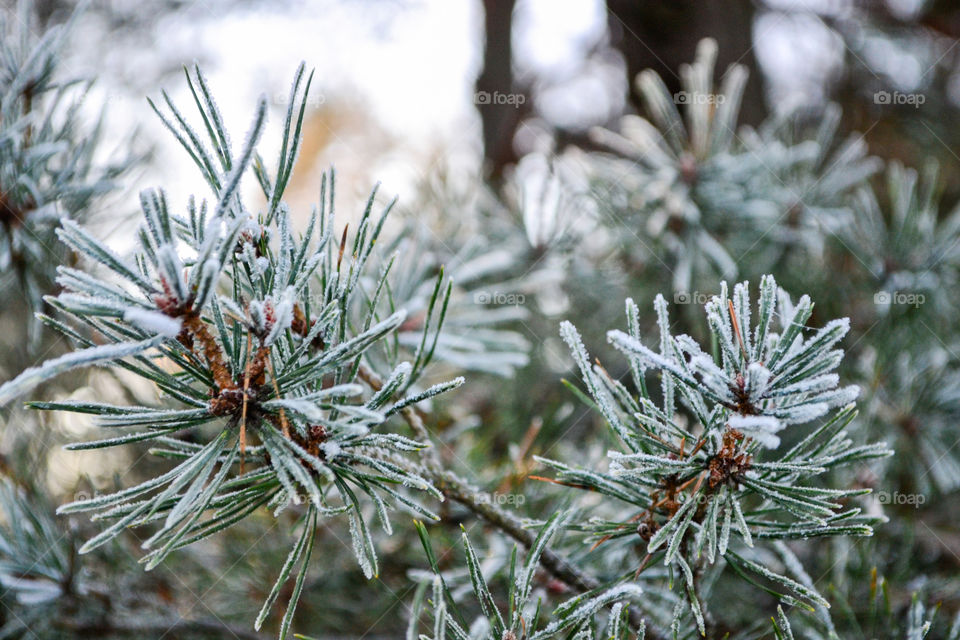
[307, 382]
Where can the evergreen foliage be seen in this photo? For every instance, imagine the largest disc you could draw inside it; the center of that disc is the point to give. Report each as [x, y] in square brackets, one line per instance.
[48, 168]
[302, 367]
[248, 332]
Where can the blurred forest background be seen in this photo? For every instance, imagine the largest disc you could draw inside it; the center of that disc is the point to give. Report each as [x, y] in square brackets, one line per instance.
[491, 121]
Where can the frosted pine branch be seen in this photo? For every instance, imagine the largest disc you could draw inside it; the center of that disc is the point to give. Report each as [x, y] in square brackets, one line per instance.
[259, 364]
[710, 479]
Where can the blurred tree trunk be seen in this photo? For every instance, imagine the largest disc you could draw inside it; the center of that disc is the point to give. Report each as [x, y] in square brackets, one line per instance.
[652, 34]
[499, 120]
[638, 28]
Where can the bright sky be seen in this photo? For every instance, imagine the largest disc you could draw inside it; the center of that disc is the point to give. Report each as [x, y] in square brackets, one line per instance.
[393, 86]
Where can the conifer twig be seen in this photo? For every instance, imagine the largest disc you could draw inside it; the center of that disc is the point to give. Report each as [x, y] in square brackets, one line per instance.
[481, 504]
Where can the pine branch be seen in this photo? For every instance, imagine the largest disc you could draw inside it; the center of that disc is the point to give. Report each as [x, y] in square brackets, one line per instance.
[410, 416]
[261, 333]
[698, 488]
[484, 507]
